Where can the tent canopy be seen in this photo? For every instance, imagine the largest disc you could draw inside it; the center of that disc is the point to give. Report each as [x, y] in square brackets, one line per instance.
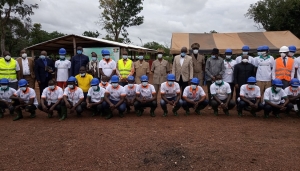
[234, 41]
[70, 42]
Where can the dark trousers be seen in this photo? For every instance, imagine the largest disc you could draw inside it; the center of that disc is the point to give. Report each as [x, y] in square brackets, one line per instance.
[85, 95]
[237, 94]
[242, 104]
[4, 106]
[78, 108]
[215, 104]
[42, 86]
[121, 108]
[123, 83]
[186, 105]
[138, 105]
[163, 103]
[285, 83]
[268, 108]
[13, 85]
[182, 84]
[232, 89]
[29, 108]
[95, 108]
[57, 107]
[209, 83]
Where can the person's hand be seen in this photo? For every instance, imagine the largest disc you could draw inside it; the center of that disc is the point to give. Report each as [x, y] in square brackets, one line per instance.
[112, 107]
[50, 71]
[213, 78]
[68, 105]
[51, 109]
[282, 108]
[144, 100]
[72, 109]
[171, 103]
[89, 105]
[196, 105]
[44, 108]
[236, 86]
[254, 106]
[224, 106]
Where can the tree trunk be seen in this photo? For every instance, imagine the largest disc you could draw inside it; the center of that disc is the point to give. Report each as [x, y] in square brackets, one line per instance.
[2, 43]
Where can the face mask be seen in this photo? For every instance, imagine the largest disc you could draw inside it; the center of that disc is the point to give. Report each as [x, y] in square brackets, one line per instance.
[251, 86]
[259, 53]
[294, 88]
[71, 86]
[130, 85]
[4, 87]
[144, 84]
[277, 89]
[79, 52]
[291, 54]
[62, 57]
[23, 88]
[94, 58]
[264, 53]
[141, 57]
[245, 60]
[115, 85]
[219, 82]
[7, 57]
[52, 87]
[245, 53]
[82, 74]
[195, 51]
[107, 57]
[95, 87]
[170, 83]
[24, 55]
[159, 56]
[282, 55]
[182, 54]
[125, 57]
[104, 83]
[194, 87]
[42, 57]
[213, 56]
[228, 56]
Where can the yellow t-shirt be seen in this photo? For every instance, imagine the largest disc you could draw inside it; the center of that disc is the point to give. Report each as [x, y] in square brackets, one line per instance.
[84, 82]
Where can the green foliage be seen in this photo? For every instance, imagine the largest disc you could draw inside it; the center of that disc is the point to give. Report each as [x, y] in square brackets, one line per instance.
[37, 35]
[276, 15]
[154, 45]
[118, 15]
[91, 34]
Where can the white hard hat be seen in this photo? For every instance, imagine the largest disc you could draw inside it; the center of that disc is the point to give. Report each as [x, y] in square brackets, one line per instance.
[284, 49]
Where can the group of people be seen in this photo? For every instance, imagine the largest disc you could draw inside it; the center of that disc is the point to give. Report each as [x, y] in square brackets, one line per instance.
[107, 85]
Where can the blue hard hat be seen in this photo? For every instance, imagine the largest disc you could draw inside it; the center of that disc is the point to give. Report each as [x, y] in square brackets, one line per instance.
[114, 79]
[265, 48]
[72, 79]
[292, 48]
[259, 48]
[195, 81]
[144, 78]
[130, 78]
[94, 82]
[251, 80]
[105, 52]
[245, 48]
[22, 83]
[62, 51]
[171, 77]
[277, 82]
[4, 81]
[295, 82]
[228, 51]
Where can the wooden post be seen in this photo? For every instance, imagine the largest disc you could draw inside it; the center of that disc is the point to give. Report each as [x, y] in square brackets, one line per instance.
[74, 45]
[32, 53]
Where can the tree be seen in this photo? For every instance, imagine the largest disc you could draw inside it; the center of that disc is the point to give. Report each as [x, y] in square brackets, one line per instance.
[154, 45]
[276, 15]
[118, 15]
[11, 9]
[37, 35]
[91, 34]
[212, 31]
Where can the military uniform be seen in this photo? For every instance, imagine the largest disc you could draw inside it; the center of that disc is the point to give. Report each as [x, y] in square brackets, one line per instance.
[197, 63]
[140, 69]
[160, 70]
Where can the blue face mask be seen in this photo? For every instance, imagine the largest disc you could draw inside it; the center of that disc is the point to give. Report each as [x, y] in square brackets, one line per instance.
[62, 57]
[213, 56]
[94, 58]
[183, 54]
[141, 57]
[42, 57]
[79, 52]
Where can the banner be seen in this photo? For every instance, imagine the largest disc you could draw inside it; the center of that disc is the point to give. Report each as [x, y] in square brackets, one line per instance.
[114, 52]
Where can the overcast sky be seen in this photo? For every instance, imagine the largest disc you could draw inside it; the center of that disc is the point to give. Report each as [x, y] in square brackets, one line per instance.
[161, 17]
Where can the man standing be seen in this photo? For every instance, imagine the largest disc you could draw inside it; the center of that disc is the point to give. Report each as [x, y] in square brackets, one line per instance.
[160, 68]
[10, 69]
[78, 61]
[214, 66]
[26, 68]
[43, 68]
[141, 67]
[284, 68]
[124, 68]
[62, 66]
[198, 63]
[245, 50]
[229, 67]
[107, 66]
[183, 68]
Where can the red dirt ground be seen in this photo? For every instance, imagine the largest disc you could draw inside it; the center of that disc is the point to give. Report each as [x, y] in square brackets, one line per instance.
[192, 142]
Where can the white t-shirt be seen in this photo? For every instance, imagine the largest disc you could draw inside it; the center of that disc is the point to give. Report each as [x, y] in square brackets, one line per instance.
[146, 92]
[297, 65]
[26, 69]
[63, 67]
[239, 60]
[27, 95]
[193, 95]
[107, 67]
[288, 91]
[130, 92]
[228, 74]
[169, 91]
[74, 95]
[52, 96]
[273, 97]
[250, 94]
[96, 95]
[221, 91]
[5, 95]
[115, 93]
[264, 68]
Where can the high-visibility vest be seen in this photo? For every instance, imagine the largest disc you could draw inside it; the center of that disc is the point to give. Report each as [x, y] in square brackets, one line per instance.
[284, 72]
[124, 69]
[8, 70]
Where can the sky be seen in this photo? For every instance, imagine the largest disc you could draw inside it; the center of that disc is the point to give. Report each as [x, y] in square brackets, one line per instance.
[161, 18]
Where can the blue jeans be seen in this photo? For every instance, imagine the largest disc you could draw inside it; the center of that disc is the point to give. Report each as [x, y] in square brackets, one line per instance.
[121, 108]
[242, 104]
[186, 105]
[268, 108]
[163, 103]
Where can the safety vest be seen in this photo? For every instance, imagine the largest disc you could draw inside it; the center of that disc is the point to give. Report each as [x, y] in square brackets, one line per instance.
[8, 70]
[124, 69]
[284, 72]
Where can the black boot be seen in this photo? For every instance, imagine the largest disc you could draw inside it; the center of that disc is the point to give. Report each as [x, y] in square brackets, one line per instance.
[32, 114]
[63, 113]
[19, 115]
[110, 115]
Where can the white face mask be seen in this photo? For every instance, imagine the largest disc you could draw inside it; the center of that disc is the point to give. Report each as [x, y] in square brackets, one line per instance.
[194, 87]
[107, 57]
[213, 56]
[52, 87]
[24, 55]
[283, 55]
[130, 85]
[264, 53]
[294, 88]
[95, 87]
[115, 85]
[141, 57]
[23, 88]
[82, 74]
[291, 54]
[94, 58]
[219, 81]
[7, 57]
[245, 53]
[170, 83]
[144, 84]
[251, 86]
[245, 60]
[124, 56]
[259, 53]
[159, 56]
[228, 56]
[62, 57]
[195, 51]
[4, 87]
[103, 82]
[277, 89]
[71, 86]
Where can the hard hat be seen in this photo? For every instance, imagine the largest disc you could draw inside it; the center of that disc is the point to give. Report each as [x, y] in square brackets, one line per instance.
[94, 82]
[284, 49]
[195, 81]
[228, 51]
[171, 77]
[245, 48]
[292, 48]
[105, 52]
[62, 51]
[144, 78]
[22, 83]
[72, 79]
[295, 82]
[114, 79]
[251, 80]
[4, 81]
[277, 82]
[130, 78]
[259, 48]
[265, 48]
